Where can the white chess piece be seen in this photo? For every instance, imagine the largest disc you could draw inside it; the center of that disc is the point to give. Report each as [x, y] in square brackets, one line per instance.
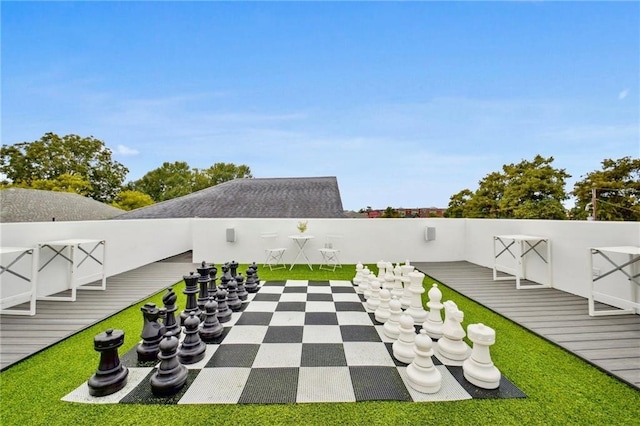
[433, 324]
[392, 325]
[478, 368]
[403, 347]
[364, 282]
[383, 312]
[382, 270]
[374, 299]
[415, 309]
[422, 375]
[452, 350]
[358, 277]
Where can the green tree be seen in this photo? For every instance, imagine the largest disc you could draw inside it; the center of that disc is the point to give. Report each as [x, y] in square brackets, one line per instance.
[130, 200]
[219, 173]
[486, 200]
[390, 212]
[617, 188]
[77, 163]
[458, 204]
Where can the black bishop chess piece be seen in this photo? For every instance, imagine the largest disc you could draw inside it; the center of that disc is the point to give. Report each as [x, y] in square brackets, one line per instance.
[191, 291]
[233, 302]
[171, 375]
[192, 348]
[203, 282]
[233, 268]
[170, 324]
[242, 291]
[111, 375]
[250, 284]
[224, 313]
[152, 332]
[212, 280]
[211, 327]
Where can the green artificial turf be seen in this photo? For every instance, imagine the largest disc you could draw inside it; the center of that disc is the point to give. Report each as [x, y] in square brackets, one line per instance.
[561, 388]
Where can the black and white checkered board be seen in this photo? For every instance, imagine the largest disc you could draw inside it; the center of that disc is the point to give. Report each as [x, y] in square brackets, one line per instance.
[297, 341]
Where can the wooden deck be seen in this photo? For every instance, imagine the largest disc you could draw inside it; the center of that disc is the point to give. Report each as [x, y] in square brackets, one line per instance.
[612, 343]
[23, 336]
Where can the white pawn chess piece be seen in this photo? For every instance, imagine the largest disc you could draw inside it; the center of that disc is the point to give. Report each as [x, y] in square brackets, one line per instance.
[358, 277]
[383, 312]
[452, 350]
[403, 347]
[398, 289]
[433, 324]
[422, 375]
[478, 368]
[391, 327]
[388, 280]
[382, 270]
[374, 299]
[367, 290]
[364, 283]
[415, 309]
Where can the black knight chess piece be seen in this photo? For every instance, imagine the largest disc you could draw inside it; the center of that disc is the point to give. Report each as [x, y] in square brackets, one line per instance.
[152, 332]
[111, 375]
[170, 324]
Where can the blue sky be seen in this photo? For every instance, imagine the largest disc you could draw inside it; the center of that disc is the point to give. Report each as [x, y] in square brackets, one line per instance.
[406, 103]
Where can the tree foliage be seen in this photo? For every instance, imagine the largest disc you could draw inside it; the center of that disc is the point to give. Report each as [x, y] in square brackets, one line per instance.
[526, 190]
[130, 200]
[176, 179]
[390, 212]
[617, 191]
[70, 163]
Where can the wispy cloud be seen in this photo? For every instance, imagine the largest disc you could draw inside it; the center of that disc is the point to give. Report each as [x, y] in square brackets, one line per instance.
[126, 151]
[623, 94]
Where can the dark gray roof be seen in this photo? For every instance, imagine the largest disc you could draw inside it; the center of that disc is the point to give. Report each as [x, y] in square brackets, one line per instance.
[304, 197]
[34, 205]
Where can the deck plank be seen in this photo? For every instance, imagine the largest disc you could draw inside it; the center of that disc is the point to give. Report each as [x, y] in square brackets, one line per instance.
[610, 343]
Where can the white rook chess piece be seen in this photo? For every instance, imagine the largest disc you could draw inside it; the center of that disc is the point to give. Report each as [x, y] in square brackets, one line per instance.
[403, 347]
[452, 350]
[392, 325]
[422, 375]
[383, 313]
[433, 324]
[374, 298]
[415, 309]
[478, 368]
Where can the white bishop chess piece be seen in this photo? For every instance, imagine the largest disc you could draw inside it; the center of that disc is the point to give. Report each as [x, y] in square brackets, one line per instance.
[433, 324]
[452, 350]
[478, 368]
[422, 375]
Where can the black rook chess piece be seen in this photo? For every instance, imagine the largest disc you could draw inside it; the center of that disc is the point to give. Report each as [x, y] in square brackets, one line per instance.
[111, 375]
[170, 324]
[171, 375]
[191, 291]
[192, 349]
[211, 327]
[152, 332]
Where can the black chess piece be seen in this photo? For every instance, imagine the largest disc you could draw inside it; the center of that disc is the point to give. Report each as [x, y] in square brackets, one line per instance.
[242, 291]
[170, 324]
[191, 291]
[233, 268]
[212, 280]
[211, 327]
[203, 282]
[192, 348]
[111, 375]
[224, 313]
[232, 296]
[171, 375]
[225, 277]
[152, 332]
[250, 284]
[254, 266]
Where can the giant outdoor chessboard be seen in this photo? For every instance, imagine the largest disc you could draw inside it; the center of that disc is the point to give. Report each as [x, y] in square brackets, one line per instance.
[296, 341]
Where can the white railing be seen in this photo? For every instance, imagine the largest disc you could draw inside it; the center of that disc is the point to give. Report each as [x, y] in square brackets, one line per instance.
[134, 243]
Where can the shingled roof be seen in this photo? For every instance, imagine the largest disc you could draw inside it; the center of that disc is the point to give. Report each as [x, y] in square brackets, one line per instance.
[302, 197]
[34, 205]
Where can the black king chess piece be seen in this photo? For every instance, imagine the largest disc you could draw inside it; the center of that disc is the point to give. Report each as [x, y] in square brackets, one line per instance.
[152, 332]
[111, 375]
[171, 375]
[191, 291]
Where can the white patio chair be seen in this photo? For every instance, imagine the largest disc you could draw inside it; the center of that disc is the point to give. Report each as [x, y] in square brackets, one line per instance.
[273, 251]
[329, 252]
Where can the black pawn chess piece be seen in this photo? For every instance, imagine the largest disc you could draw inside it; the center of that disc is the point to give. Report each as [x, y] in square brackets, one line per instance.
[152, 332]
[254, 266]
[111, 375]
[226, 276]
[211, 327]
[192, 348]
[212, 280]
[170, 324]
[233, 268]
[242, 291]
[233, 302]
[224, 313]
[250, 284]
[171, 375]
[191, 291]
[203, 282]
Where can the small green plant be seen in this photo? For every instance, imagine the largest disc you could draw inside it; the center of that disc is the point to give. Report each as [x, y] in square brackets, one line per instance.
[302, 226]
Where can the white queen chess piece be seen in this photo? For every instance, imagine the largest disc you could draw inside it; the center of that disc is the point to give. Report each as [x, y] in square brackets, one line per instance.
[422, 375]
[478, 368]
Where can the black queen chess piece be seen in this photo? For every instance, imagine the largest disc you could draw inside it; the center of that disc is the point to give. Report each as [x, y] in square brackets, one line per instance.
[111, 375]
[171, 375]
[152, 332]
